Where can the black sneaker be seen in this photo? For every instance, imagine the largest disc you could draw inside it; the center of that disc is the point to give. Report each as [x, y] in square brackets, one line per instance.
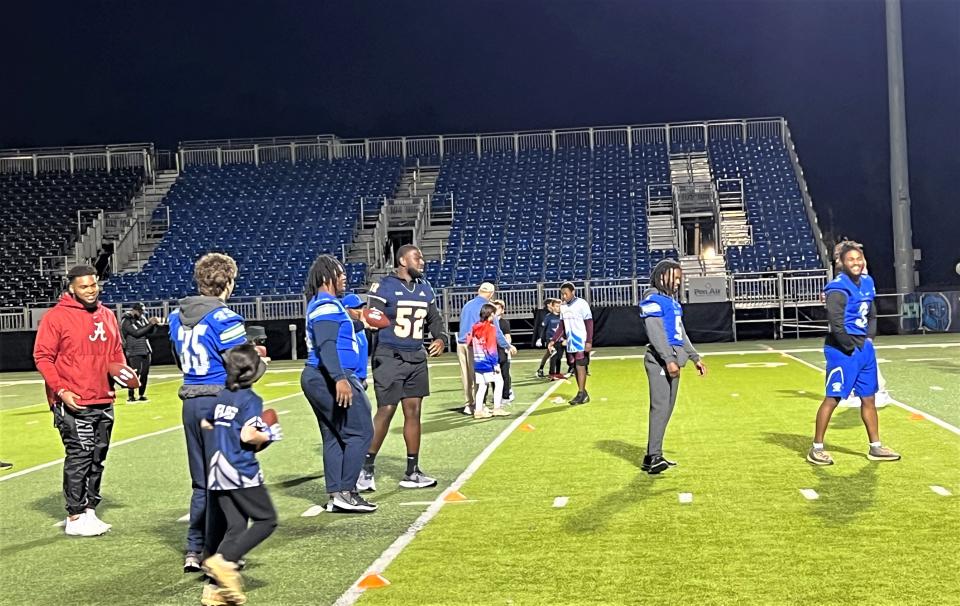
[351, 502]
[417, 479]
[581, 398]
[540, 374]
[5, 465]
[654, 465]
[647, 459]
[144, 399]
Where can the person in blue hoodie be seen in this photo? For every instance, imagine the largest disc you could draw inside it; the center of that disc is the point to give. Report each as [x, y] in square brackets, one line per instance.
[332, 387]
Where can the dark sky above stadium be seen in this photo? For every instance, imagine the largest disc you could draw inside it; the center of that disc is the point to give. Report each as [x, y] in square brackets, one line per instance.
[108, 72]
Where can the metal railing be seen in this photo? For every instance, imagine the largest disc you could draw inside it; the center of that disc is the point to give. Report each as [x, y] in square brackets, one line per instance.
[126, 246]
[774, 290]
[329, 147]
[81, 158]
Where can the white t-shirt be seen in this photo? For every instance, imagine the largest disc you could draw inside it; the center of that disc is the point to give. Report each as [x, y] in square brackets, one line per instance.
[574, 316]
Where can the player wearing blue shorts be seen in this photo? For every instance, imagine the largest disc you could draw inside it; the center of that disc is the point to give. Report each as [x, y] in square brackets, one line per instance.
[848, 349]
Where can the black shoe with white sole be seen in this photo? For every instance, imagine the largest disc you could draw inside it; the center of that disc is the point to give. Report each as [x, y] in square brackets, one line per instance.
[581, 398]
[351, 502]
[417, 479]
[655, 464]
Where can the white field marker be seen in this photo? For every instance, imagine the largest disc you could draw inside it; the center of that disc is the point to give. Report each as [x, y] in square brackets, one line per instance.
[940, 490]
[734, 395]
[426, 503]
[157, 418]
[936, 388]
[685, 497]
[809, 494]
[561, 501]
[185, 518]
[313, 510]
[283, 412]
[60, 524]
[32, 422]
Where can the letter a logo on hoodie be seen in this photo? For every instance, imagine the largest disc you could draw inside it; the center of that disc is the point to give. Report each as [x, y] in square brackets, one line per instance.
[98, 332]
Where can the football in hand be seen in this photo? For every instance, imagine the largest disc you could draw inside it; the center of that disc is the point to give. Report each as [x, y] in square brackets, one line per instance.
[374, 318]
[123, 376]
[269, 418]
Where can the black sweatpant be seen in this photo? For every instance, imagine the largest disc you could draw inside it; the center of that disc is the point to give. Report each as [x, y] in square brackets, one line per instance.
[238, 507]
[141, 364]
[86, 439]
[504, 361]
[559, 354]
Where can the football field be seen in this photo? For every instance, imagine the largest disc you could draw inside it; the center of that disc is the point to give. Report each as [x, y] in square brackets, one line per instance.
[550, 505]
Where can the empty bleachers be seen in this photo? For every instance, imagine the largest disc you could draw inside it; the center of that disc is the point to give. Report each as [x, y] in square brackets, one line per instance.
[783, 238]
[273, 219]
[38, 218]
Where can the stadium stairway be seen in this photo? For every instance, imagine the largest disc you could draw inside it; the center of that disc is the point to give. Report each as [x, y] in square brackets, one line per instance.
[144, 209]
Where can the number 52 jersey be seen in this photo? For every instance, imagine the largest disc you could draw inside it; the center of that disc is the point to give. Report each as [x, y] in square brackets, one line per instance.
[409, 306]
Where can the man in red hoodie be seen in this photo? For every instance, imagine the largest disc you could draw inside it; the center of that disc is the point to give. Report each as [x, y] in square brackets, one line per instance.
[76, 341]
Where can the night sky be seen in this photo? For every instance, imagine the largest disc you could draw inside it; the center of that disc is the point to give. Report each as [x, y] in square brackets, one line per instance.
[110, 72]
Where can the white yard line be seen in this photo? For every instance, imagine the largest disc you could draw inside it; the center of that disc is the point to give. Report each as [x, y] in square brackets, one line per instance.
[685, 497]
[351, 595]
[907, 407]
[940, 490]
[809, 494]
[120, 443]
[561, 501]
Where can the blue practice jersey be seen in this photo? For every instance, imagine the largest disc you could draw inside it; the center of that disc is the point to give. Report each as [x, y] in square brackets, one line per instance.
[658, 305]
[325, 307]
[234, 465]
[200, 347]
[407, 308]
[363, 354]
[859, 300]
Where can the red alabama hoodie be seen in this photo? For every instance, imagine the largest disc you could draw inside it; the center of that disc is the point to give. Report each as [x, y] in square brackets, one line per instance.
[74, 347]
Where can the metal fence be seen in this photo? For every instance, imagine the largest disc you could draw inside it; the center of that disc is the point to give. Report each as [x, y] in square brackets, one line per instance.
[73, 159]
[329, 147]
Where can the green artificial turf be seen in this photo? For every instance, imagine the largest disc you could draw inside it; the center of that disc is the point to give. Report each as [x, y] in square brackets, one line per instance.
[877, 535]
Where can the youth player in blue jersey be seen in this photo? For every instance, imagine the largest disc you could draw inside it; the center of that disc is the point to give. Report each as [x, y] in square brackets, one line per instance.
[234, 478]
[848, 349]
[667, 353]
[330, 382]
[354, 306]
[400, 363]
[200, 331]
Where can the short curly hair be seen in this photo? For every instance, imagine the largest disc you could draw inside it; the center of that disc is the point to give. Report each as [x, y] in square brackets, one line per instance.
[843, 247]
[213, 272]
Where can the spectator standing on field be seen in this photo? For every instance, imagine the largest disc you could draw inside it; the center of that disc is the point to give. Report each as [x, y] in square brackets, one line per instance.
[136, 330]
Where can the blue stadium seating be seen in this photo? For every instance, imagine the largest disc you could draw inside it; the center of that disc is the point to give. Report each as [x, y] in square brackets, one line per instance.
[782, 235]
[38, 217]
[539, 215]
[273, 220]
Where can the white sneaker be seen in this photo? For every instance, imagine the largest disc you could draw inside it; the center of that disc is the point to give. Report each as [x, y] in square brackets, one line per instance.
[883, 398]
[366, 482]
[92, 515]
[82, 527]
[851, 402]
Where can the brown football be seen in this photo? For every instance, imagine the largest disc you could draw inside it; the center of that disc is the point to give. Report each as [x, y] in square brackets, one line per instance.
[375, 318]
[269, 417]
[122, 375]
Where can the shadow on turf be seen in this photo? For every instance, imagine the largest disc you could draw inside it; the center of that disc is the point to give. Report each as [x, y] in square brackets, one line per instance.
[799, 444]
[793, 393]
[844, 497]
[599, 514]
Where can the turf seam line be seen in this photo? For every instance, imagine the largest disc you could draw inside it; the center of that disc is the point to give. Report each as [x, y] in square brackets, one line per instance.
[120, 443]
[351, 595]
[907, 407]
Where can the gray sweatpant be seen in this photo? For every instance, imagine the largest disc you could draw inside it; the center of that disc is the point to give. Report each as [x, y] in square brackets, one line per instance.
[663, 397]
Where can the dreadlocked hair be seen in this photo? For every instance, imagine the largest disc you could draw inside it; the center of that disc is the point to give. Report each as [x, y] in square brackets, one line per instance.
[325, 270]
[842, 248]
[662, 276]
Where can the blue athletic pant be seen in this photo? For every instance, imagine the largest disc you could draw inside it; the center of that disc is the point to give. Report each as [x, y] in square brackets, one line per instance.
[346, 432]
[205, 531]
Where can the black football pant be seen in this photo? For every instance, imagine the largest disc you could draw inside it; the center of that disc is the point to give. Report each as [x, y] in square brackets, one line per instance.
[86, 440]
[141, 364]
[238, 507]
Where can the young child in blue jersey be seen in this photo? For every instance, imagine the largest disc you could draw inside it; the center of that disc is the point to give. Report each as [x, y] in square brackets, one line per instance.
[201, 330]
[668, 351]
[234, 478]
[848, 349]
[332, 387]
[354, 306]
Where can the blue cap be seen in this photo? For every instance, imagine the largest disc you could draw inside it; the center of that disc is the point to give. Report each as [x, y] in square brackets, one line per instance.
[353, 301]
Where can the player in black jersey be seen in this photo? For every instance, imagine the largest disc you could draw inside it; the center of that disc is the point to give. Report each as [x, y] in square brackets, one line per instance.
[400, 376]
